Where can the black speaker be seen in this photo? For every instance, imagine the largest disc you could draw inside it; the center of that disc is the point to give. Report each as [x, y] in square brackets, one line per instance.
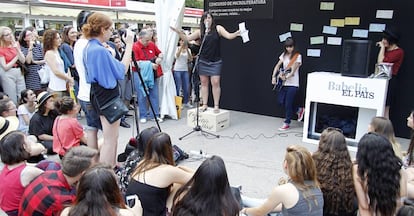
[355, 58]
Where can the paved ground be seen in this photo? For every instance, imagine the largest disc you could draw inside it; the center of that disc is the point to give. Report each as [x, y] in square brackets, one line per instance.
[252, 147]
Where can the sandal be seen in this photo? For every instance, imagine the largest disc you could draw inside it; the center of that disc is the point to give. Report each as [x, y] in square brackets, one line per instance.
[203, 108]
[216, 109]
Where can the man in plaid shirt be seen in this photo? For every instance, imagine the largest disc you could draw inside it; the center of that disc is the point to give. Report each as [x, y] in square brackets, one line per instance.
[53, 190]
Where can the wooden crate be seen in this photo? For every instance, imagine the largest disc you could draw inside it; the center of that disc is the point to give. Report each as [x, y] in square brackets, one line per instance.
[209, 120]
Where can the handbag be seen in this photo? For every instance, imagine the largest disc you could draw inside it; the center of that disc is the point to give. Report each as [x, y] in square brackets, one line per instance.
[113, 109]
[44, 74]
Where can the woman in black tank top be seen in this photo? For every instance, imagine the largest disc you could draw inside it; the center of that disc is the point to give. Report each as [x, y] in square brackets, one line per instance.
[209, 62]
[154, 176]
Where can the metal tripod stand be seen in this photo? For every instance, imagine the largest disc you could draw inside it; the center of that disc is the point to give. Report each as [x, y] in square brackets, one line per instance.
[196, 86]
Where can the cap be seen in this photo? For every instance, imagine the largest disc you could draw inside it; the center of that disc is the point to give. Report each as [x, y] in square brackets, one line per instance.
[42, 97]
[7, 125]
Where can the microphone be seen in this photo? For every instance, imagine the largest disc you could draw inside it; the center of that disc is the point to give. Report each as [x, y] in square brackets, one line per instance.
[207, 26]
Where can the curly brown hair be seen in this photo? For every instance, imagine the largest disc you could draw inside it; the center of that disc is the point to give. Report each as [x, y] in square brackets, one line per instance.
[334, 168]
[49, 38]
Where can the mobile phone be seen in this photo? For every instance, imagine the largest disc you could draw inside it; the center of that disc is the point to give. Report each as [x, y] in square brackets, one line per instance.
[130, 200]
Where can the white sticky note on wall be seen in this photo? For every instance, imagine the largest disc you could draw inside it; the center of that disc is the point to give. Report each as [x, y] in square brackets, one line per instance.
[316, 40]
[329, 30]
[284, 36]
[384, 14]
[296, 27]
[334, 41]
[360, 33]
[376, 27]
[314, 52]
[327, 6]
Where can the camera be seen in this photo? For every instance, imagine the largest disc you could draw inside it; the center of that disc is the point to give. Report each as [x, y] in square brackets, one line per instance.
[122, 32]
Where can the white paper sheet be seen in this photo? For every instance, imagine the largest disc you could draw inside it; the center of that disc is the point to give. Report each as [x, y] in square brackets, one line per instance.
[245, 36]
[242, 26]
[314, 52]
[244, 33]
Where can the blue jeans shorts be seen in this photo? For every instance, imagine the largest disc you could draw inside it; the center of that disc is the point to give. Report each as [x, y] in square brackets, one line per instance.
[92, 118]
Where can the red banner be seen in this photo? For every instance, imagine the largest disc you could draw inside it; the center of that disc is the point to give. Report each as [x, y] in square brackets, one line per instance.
[193, 12]
[92, 3]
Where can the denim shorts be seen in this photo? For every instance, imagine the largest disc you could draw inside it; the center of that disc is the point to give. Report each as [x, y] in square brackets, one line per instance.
[92, 118]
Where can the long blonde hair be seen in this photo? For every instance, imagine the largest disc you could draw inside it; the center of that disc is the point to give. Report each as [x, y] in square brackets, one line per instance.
[384, 127]
[301, 168]
[2, 30]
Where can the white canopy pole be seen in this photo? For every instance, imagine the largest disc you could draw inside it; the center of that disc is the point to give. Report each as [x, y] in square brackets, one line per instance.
[168, 13]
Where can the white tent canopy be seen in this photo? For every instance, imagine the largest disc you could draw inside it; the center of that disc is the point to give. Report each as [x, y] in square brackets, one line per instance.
[168, 13]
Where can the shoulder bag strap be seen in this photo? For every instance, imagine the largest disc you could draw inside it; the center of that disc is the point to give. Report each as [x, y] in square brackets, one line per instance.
[57, 133]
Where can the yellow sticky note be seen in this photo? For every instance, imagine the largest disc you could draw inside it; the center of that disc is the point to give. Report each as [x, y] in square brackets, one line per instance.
[352, 20]
[296, 27]
[327, 6]
[338, 22]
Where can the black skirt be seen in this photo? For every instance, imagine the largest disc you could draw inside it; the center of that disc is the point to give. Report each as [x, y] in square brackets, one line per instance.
[209, 68]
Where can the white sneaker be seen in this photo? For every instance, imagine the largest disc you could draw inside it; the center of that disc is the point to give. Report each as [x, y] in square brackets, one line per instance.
[188, 105]
[143, 120]
[159, 119]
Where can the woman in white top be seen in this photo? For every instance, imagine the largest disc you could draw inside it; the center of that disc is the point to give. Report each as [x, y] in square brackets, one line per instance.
[58, 76]
[26, 109]
[181, 75]
[288, 79]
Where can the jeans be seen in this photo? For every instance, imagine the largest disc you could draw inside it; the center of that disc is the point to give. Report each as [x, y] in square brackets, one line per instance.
[142, 99]
[92, 118]
[12, 82]
[249, 202]
[182, 79]
[286, 98]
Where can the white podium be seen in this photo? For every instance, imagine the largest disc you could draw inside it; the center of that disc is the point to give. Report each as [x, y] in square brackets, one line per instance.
[335, 99]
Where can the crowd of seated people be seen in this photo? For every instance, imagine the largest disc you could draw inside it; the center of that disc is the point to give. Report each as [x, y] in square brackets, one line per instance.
[375, 183]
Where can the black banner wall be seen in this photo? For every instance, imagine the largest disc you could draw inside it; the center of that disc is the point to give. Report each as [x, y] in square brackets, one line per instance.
[247, 69]
[245, 9]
